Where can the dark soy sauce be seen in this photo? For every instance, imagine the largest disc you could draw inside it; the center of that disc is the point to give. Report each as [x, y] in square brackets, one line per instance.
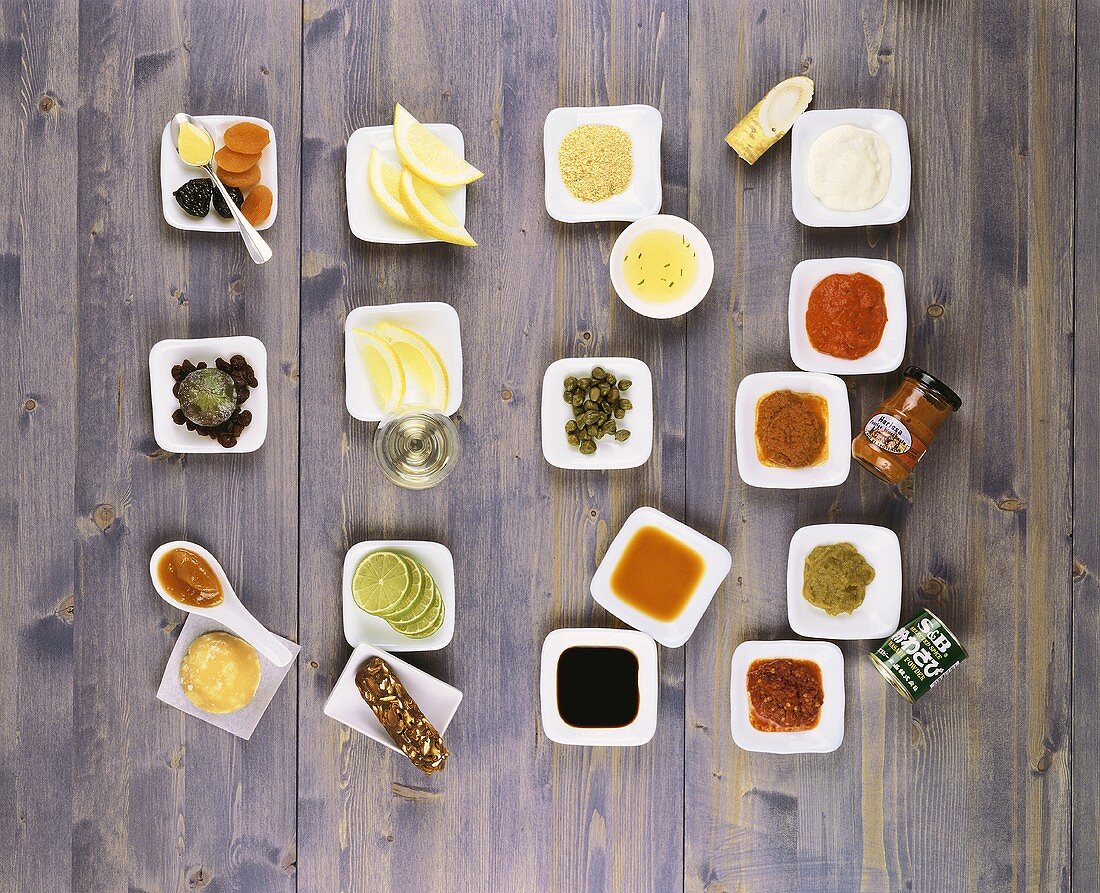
[598, 687]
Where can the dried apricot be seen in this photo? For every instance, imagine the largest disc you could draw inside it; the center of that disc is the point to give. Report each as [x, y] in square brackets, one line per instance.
[244, 179]
[246, 138]
[257, 205]
[228, 160]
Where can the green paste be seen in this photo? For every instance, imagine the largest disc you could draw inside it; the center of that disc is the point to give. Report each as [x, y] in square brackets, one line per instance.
[836, 578]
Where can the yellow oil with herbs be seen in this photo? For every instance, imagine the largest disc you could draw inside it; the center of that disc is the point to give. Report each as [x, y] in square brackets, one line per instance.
[660, 266]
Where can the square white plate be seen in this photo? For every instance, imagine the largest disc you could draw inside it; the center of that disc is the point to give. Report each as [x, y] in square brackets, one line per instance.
[641, 198]
[174, 173]
[645, 723]
[880, 612]
[827, 735]
[172, 351]
[436, 321]
[833, 471]
[437, 700]
[891, 349]
[363, 628]
[891, 127]
[367, 219]
[716, 566]
[609, 453]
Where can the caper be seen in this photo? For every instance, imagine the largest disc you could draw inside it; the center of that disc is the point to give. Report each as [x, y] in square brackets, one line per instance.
[568, 396]
[577, 400]
[591, 430]
[613, 395]
[599, 372]
[570, 382]
[619, 412]
[599, 433]
[570, 426]
[591, 417]
[594, 393]
[607, 428]
[624, 384]
[625, 403]
[622, 435]
[611, 379]
[588, 447]
[605, 388]
[572, 439]
[584, 382]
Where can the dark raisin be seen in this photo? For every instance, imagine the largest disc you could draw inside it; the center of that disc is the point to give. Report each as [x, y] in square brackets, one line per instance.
[194, 196]
[222, 364]
[219, 203]
[242, 394]
[246, 417]
[238, 361]
[178, 417]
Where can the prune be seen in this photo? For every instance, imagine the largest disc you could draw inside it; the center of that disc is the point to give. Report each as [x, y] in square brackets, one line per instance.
[246, 138]
[194, 196]
[257, 205]
[219, 203]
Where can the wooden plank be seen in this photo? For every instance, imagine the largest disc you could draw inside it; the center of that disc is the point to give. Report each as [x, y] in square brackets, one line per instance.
[163, 801]
[969, 789]
[511, 811]
[38, 247]
[1086, 459]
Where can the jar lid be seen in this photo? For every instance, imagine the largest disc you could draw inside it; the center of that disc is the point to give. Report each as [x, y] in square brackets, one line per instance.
[935, 385]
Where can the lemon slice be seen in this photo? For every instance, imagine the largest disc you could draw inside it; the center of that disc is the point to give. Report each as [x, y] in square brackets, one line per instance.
[380, 582]
[383, 178]
[430, 212]
[383, 369]
[421, 361]
[427, 156]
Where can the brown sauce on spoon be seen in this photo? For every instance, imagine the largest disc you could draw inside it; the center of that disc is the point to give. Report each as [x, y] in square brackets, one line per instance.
[188, 578]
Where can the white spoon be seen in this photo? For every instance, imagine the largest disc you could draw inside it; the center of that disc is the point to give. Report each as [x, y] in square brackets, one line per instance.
[230, 613]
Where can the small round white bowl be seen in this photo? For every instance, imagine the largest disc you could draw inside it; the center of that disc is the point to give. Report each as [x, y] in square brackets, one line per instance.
[703, 278]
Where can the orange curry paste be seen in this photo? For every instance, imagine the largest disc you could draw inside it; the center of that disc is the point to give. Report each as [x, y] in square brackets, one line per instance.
[846, 315]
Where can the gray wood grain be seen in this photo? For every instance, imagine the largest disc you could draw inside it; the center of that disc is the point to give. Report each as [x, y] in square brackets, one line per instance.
[163, 802]
[969, 789]
[38, 285]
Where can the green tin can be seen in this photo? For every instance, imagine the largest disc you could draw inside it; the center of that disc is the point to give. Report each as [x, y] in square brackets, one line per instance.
[918, 655]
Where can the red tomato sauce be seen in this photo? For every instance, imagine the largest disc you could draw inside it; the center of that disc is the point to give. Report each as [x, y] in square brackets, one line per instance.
[846, 315]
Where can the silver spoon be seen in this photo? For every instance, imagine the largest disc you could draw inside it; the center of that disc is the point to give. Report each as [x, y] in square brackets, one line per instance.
[230, 613]
[259, 250]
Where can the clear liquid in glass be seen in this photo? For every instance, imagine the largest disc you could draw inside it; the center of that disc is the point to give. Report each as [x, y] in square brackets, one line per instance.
[416, 449]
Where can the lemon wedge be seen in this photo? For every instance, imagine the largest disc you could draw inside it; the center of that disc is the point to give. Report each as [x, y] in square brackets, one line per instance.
[430, 212]
[421, 361]
[427, 156]
[383, 179]
[383, 367]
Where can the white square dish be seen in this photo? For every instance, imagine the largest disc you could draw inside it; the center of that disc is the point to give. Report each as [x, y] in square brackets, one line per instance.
[827, 735]
[362, 628]
[833, 471]
[885, 122]
[610, 454]
[716, 566]
[880, 612]
[633, 734]
[436, 321]
[891, 349]
[368, 221]
[174, 173]
[173, 351]
[437, 700]
[641, 198]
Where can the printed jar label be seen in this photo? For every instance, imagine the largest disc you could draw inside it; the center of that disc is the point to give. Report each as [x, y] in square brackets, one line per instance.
[915, 657]
[890, 434]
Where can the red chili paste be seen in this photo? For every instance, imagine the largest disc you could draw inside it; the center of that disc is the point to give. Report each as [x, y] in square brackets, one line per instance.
[846, 315]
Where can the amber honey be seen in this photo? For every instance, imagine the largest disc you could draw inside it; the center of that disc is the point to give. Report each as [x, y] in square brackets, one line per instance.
[657, 574]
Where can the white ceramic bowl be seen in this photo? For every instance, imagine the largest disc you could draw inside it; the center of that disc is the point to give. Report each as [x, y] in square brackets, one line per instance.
[641, 198]
[833, 471]
[644, 725]
[827, 735]
[174, 173]
[716, 566]
[367, 219]
[880, 612]
[703, 278]
[436, 321]
[609, 452]
[437, 700]
[891, 349]
[363, 628]
[891, 127]
[172, 351]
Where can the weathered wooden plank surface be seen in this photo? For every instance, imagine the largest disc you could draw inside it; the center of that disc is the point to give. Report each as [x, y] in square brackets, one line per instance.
[163, 802]
[970, 789]
[38, 286]
[529, 815]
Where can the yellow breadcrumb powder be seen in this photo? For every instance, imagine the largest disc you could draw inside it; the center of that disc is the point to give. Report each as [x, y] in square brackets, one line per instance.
[596, 161]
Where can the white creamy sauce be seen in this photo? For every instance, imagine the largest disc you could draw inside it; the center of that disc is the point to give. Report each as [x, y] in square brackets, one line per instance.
[849, 168]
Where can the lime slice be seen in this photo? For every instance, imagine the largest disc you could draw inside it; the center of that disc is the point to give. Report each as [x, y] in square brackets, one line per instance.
[430, 212]
[380, 581]
[428, 625]
[421, 361]
[426, 602]
[416, 584]
[427, 156]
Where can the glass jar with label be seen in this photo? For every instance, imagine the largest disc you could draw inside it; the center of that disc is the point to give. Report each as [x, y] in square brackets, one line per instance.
[897, 435]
